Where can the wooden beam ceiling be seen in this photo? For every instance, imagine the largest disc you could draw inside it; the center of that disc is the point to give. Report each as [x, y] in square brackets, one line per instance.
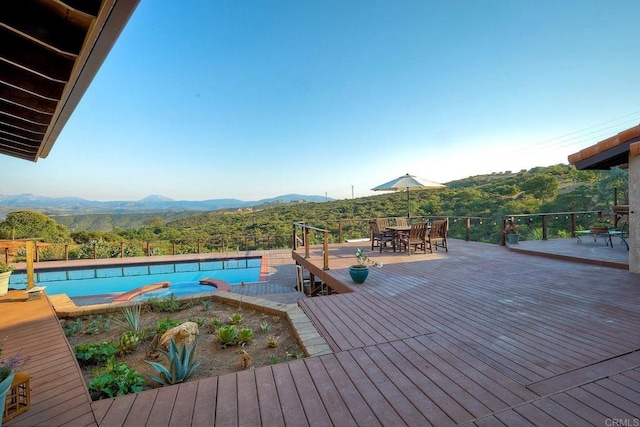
[50, 50]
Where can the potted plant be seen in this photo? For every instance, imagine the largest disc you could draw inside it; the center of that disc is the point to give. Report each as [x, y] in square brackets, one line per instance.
[600, 225]
[5, 272]
[511, 232]
[360, 271]
[8, 368]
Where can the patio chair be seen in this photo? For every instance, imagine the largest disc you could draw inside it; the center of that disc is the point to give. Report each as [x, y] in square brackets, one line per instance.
[416, 237]
[381, 236]
[438, 235]
[402, 222]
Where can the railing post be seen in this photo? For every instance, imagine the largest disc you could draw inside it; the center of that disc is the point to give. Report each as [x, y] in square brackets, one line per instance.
[294, 243]
[198, 245]
[325, 251]
[467, 228]
[37, 252]
[573, 225]
[6, 254]
[148, 248]
[66, 252]
[340, 231]
[503, 227]
[95, 251]
[121, 249]
[223, 245]
[173, 248]
[306, 242]
[545, 230]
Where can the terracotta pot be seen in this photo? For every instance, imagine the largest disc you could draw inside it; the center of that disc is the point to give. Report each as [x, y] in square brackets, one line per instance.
[595, 229]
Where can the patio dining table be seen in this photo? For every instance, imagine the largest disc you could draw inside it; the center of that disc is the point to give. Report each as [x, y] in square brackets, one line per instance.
[398, 230]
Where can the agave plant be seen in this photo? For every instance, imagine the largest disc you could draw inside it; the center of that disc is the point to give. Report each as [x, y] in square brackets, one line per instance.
[245, 335]
[182, 364]
[131, 318]
[236, 318]
[227, 335]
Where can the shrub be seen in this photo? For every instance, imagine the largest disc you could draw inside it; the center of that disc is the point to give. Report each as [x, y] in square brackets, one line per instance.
[95, 353]
[116, 379]
[181, 364]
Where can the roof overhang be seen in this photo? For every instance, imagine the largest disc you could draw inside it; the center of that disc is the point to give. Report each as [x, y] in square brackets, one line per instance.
[50, 51]
[613, 151]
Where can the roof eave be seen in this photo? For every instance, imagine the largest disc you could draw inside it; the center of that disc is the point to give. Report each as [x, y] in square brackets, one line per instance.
[113, 16]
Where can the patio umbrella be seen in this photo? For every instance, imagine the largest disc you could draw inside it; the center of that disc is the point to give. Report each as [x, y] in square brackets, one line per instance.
[405, 183]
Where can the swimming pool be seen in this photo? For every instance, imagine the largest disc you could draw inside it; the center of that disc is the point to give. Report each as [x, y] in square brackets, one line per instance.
[184, 277]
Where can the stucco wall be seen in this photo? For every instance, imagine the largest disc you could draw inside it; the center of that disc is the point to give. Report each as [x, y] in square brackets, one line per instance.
[634, 214]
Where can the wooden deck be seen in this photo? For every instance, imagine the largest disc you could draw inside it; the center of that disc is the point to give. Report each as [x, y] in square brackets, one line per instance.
[479, 335]
[59, 395]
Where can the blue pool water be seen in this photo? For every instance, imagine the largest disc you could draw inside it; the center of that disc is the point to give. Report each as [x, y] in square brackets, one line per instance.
[184, 277]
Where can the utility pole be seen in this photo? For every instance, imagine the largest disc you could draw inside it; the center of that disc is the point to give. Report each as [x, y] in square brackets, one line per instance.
[352, 191]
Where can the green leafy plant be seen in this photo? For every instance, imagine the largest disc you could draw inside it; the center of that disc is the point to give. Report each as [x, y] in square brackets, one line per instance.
[116, 379]
[362, 259]
[95, 353]
[5, 268]
[164, 324]
[227, 335]
[245, 335]
[72, 327]
[182, 364]
[273, 359]
[98, 324]
[236, 318]
[169, 303]
[206, 305]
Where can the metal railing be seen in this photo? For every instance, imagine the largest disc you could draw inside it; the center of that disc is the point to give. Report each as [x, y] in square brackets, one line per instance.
[484, 229]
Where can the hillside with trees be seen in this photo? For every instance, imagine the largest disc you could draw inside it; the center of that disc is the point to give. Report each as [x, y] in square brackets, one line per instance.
[485, 199]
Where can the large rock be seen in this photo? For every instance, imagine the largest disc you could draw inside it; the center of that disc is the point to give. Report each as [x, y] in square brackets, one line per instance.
[185, 332]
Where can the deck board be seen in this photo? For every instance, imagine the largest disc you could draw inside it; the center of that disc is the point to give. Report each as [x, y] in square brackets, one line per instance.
[432, 339]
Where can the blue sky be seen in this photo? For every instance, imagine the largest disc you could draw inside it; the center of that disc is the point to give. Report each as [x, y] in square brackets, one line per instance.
[255, 99]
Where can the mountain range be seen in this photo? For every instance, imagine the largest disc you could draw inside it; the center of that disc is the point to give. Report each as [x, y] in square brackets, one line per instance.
[153, 203]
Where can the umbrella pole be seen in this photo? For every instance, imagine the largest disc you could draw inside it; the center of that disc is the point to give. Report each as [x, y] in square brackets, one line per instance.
[408, 206]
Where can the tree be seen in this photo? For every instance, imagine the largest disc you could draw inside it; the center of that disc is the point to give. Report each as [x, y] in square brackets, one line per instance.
[542, 186]
[33, 225]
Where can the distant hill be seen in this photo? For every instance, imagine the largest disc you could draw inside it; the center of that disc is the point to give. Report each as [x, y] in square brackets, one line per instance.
[150, 204]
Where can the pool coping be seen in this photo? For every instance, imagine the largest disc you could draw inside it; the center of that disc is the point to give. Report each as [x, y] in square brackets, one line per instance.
[310, 340]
